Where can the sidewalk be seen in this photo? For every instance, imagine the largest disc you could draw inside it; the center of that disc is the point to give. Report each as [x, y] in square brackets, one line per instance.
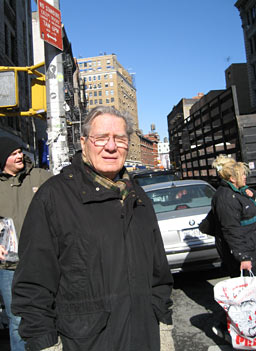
[168, 345]
[166, 337]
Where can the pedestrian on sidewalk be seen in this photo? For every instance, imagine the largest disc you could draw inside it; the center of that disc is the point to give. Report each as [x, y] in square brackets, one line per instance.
[93, 273]
[234, 211]
[234, 216]
[19, 180]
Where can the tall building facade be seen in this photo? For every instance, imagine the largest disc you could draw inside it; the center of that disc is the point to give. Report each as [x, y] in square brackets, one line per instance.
[16, 49]
[247, 9]
[108, 83]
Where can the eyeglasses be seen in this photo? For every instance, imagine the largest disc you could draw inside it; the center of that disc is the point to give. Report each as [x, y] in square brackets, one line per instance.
[102, 140]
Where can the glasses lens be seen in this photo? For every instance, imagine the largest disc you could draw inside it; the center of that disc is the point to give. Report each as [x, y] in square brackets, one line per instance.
[100, 141]
[121, 142]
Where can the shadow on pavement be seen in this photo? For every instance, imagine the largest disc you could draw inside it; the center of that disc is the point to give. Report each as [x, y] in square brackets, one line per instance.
[197, 288]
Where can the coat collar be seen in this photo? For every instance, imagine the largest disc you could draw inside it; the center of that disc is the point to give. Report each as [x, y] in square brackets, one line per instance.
[90, 190]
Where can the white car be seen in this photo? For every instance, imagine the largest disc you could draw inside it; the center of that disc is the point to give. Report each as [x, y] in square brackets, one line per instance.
[180, 206]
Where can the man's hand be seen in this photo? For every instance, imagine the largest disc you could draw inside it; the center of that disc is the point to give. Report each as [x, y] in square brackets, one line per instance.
[3, 252]
[246, 265]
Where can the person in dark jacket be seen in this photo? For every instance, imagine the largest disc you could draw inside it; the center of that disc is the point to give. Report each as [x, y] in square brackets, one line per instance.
[234, 211]
[93, 273]
[233, 216]
[19, 180]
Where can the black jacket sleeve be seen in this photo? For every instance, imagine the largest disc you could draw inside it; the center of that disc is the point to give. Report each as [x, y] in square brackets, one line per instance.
[37, 277]
[228, 210]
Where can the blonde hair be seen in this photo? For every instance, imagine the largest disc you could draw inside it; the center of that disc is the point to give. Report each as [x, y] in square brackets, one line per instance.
[228, 167]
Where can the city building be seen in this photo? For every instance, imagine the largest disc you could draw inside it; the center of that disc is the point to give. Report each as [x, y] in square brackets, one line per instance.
[237, 74]
[154, 137]
[16, 49]
[147, 152]
[108, 83]
[247, 9]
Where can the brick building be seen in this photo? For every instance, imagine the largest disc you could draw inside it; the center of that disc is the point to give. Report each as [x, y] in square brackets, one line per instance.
[147, 152]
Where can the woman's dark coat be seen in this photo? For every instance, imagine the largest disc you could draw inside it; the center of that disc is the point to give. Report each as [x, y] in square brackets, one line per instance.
[235, 226]
[91, 270]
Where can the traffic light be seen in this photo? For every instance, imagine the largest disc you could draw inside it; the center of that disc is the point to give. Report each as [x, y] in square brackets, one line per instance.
[9, 91]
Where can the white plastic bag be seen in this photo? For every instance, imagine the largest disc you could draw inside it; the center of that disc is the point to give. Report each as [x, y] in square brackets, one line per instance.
[238, 298]
[8, 239]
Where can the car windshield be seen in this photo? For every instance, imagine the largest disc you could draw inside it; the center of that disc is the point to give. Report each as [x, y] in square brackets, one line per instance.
[155, 178]
[181, 197]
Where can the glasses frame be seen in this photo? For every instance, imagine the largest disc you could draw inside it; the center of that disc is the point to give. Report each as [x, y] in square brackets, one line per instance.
[107, 138]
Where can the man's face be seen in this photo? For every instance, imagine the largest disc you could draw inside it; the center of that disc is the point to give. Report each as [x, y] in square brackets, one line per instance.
[14, 163]
[108, 160]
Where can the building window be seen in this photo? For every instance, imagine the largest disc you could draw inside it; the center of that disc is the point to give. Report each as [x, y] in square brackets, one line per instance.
[112, 99]
[107, 101]
[90, 86]
[94, 77]
[106, 92]
[111, 84]
[99, 77]
[100, 93]
[106, 85]
[105, 76]
[95, 93]
[90, 78]
[112, 92]
[99, 85]
[91, 102]
[90, 94]
[95, 102]
[99, 63]
[94, 86]
[100, 101]
[110, 76]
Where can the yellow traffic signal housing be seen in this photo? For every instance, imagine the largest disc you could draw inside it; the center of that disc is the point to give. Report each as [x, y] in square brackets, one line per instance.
[38, 94]
[9, 90]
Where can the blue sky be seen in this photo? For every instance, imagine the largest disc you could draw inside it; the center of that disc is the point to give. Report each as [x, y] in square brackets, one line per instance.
[176, 48]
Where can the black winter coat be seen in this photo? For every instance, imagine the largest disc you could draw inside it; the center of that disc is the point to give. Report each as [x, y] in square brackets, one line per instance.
[91, 270]
[235, 227]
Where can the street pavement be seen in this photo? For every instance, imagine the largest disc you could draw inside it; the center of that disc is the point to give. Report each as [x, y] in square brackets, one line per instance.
[167, 343]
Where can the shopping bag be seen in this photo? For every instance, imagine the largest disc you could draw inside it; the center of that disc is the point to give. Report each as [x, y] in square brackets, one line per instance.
[238, 298]
[8, 239]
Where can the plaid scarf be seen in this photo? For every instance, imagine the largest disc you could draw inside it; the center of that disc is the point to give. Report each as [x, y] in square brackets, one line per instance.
[122, 185]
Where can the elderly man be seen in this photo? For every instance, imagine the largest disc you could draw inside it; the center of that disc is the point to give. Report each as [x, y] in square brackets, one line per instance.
[93, 274]
[19, 180]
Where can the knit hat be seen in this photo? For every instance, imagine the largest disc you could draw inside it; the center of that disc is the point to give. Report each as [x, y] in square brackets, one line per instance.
[7, 146]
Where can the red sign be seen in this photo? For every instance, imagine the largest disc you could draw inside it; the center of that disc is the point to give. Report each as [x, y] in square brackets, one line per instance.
[50, 24]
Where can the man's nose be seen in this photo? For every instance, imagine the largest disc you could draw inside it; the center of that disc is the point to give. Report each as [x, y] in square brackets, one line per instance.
[111, 144]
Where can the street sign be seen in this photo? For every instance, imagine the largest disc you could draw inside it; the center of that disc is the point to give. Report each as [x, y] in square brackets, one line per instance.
[50, 24]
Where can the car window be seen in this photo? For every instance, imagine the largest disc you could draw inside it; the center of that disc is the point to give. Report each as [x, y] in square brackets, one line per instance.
[147, 180]
[181, 197]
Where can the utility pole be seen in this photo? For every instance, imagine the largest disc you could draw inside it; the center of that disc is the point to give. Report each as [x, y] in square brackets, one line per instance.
[56, 120]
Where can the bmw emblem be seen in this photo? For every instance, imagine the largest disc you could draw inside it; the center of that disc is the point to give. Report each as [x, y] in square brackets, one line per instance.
[192, 222]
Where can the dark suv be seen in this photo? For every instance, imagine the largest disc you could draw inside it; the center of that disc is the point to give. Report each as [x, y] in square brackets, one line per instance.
[152, 176]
